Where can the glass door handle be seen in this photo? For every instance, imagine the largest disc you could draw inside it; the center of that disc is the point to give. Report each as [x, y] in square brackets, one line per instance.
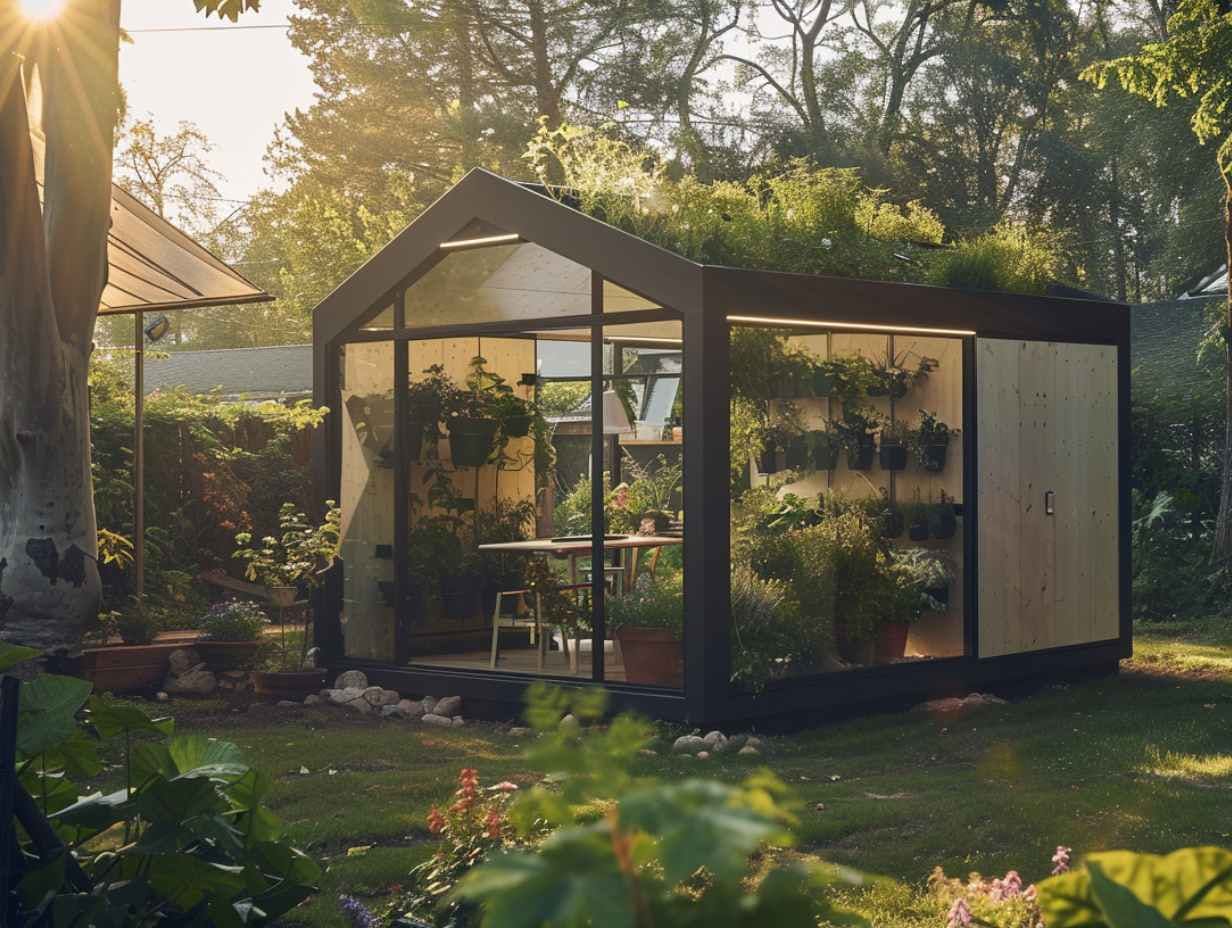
[1050, 502]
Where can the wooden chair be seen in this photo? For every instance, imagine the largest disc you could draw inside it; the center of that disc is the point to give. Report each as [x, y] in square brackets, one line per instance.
[496, 620]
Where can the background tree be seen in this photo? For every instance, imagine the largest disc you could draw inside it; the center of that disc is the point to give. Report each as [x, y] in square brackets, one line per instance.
[1193, 62]
[53, 268]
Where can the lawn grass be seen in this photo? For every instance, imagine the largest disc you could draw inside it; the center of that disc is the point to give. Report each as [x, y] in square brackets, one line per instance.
[1140, 760]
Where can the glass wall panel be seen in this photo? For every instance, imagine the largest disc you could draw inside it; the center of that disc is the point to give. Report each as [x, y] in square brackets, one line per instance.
[643, 424]
[846, 517]
[367, 494]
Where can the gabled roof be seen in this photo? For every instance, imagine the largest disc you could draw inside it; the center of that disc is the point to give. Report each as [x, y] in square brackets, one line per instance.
[1213, 284]
[277, 372]
[659, 275]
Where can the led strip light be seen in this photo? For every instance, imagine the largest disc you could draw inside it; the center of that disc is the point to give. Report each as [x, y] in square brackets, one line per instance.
[507, 239]
[810, 323]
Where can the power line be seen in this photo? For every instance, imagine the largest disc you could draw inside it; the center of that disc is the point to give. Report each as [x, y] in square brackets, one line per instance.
[153, 30]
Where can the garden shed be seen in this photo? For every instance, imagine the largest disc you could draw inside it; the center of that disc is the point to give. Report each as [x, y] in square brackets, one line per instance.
[799, 492]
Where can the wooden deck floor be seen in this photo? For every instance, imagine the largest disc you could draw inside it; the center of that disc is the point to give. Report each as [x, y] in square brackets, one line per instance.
[523, 660]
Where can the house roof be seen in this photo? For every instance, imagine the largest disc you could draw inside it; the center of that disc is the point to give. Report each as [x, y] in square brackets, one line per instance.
[1213, 284]
[1164, 343]
[277, 372]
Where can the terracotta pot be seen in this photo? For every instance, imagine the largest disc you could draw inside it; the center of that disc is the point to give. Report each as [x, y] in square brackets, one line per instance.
[891, 641]
[293, 686]
[227, 655]
[652, 655]
[126, 668]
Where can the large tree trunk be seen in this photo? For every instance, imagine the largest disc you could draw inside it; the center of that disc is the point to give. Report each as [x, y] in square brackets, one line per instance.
[1223, 525]
[53, 267]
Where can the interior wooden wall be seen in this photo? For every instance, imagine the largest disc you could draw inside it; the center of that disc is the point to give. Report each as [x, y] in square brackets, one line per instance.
[1047, 421]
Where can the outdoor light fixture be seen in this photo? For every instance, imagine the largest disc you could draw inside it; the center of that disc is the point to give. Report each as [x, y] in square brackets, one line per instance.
[644, 340]
[460, 243]
[867, 326]
[615, 419]
[158, 328]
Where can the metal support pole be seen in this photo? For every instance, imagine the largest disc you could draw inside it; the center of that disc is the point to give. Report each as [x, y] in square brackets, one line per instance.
[139, 454]
[10, 689]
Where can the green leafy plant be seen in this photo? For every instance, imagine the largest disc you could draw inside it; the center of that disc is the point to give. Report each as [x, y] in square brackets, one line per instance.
[233, 620]
[917, 573]
[653, 602]
[930, 440]
[186, 840]
[772, 637]
[138, 624]
[299, 555]
[679, 853]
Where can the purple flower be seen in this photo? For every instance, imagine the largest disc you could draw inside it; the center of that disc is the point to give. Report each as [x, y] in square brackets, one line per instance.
[358, 914]
[1008, 887]
[960, 914]
[1060, 859]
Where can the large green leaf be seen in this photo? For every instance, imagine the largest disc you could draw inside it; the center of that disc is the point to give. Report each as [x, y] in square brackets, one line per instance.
[112, 717]
[13, 654]
[47, 717]
[1120, 907]
[1186, 886]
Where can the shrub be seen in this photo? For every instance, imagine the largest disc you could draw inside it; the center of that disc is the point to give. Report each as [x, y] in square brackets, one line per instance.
[654, 602]
[770, 636]
[233, 620]
[1008, 257]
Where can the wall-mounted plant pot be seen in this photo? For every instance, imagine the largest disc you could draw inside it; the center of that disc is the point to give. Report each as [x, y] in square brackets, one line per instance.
[932, 456]
[897, 389]
[227, 655]
[918, 531]
[471, 441]
[282, 597]
[797, 454]
[516, 426]
[941, 594]
[892, 641]
[292, 685]
[878, 390]
[652, 656]
[768, 461]
[892, 523]
[822, 383]
[893, 456]
[860, 457]
[942, 520]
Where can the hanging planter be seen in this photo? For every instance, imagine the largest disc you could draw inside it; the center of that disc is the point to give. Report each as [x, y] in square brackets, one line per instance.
[860, 452]
[516, 426]
[797, 453]
[932, 440]
[826, 446]
[893, 449]
[942, 519]
[917, 522]
[471, 441]
[768, 460]
[892, 522]
[932, 456]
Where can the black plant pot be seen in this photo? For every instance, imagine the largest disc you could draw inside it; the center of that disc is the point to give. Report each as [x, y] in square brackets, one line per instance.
[940, 593]
[516, 426]
[797, 454]
[768, 462]
[823, 383]
[860, 457]
[893, 456]
[878, 389]
[471, 441]
[942, 520]
[892, 523]
[918, 531]
[932, 456]
[825, 455]
[897, 389]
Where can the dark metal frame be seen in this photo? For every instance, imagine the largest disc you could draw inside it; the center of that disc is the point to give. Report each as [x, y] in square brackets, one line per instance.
[703, 298]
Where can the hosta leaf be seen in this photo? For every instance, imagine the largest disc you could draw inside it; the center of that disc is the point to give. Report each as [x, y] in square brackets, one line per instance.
[13, 654]
[1120, 907]
[111, 718]
[47, 713]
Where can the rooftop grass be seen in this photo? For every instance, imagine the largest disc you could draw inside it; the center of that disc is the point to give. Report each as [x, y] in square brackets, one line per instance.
[1140, 760]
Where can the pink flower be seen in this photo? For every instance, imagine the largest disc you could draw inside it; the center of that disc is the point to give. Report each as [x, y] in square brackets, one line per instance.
[1060, 859]
[960, 914]
[1008, 887]
[504, 787]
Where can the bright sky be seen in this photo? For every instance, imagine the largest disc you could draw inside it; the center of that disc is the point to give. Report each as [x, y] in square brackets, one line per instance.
[234, 84]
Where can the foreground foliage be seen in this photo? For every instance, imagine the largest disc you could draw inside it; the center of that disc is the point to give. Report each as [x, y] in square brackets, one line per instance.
[186, 841]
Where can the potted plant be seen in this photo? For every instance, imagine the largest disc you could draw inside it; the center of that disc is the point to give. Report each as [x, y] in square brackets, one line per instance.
[916, 517]
[427, 401]
[777, 438]
[826, 446]
[888, 517]
[514, 414]
[295, 558]
[138, 663]
[289, 670]
[943, 518]
[825, 377]
[796, 456]
[231, 634]
[648, 621]
[912, 571]
[932, 439]
[894, 374]
[474, 423]
[892, 451]
[856, 429]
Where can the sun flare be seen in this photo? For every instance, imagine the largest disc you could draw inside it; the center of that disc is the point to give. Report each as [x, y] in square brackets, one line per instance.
[42, 10]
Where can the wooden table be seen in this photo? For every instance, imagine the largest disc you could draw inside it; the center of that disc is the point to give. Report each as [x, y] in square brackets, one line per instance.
[574, 547]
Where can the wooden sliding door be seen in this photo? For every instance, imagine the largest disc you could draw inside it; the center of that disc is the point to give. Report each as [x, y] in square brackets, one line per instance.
[1047, 473]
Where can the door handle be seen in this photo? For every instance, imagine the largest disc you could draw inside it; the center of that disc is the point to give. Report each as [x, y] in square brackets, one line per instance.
[1050, 502]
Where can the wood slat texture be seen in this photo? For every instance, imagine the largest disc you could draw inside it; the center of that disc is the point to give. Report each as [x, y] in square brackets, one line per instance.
[1047, 422]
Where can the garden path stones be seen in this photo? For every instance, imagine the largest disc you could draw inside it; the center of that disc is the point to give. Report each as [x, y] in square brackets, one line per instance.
[688, 744]
[447, 706]
[410, 709]
[351, 679]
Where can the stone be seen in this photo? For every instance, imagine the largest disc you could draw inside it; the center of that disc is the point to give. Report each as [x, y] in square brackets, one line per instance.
[193, 683]
[381, 697]
[647, 752]
[443, 721]
[161, 696]
[182, 660]
[715, 741]
[957, 703]
[362, 706]
[391, 712]
[688, 744]
[346, 695]
[288, 704]
[458, 721]
[570, 725]
[519, 731]
[410, 709]
[703, 755]
[448, 705]
[351, 679]
[751, 742]
[312, 699]
[429, 705]
[748, 750]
